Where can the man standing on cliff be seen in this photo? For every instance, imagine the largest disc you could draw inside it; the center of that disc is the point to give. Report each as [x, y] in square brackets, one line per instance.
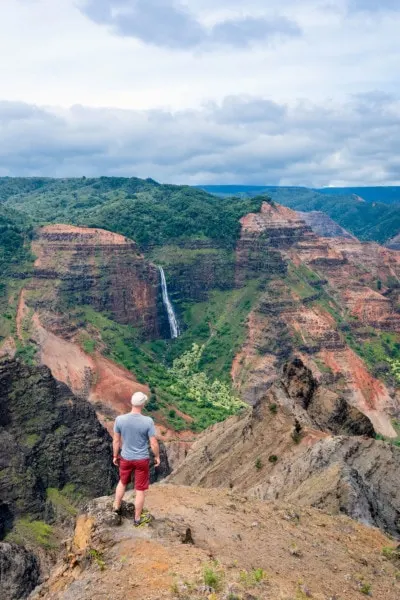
[133, 432]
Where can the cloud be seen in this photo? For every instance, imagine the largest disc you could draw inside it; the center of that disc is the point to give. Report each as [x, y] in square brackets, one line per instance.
[373, 5]
[169, 24]
[240, 140]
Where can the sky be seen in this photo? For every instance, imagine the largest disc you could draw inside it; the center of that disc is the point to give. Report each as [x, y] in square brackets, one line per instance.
[279, 92]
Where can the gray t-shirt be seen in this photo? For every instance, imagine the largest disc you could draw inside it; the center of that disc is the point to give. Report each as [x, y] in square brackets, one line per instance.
[136, 430]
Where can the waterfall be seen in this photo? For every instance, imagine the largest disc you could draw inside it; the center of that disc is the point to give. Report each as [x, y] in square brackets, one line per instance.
[173, 323]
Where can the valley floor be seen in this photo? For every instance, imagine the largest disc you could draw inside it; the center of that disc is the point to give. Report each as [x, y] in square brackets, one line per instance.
[252, 550]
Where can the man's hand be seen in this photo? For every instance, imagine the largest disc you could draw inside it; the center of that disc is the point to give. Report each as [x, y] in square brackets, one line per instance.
[156, 450]
[116, 460]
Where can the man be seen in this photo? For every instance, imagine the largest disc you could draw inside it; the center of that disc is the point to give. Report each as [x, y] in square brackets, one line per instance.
[134, 430]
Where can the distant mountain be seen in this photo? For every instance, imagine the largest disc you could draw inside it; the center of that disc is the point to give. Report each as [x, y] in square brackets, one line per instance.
[324, 226]
[385, 194]
[368, 221]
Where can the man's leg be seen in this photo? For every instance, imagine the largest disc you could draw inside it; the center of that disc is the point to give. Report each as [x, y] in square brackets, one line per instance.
[142, 477]
[139, 503]
[119, 494]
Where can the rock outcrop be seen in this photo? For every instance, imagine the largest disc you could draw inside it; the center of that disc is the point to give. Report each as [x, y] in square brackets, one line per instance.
[283, 448]
[19, 572]
[328, 410]
[48, 439]
[353, 476]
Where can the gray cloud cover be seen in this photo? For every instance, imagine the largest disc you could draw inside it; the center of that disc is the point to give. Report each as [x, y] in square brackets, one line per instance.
[167, 23]
[242, 139]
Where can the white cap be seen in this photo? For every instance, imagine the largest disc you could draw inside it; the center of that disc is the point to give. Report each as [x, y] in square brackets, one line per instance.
[139, 399]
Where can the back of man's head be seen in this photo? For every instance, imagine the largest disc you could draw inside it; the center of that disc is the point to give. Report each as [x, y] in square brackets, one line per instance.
[139, 399]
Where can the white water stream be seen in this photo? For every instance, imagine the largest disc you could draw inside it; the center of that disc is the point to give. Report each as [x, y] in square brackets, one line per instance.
[173, 323]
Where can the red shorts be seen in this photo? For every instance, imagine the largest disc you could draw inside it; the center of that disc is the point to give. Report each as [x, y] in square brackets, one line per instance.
[141, 470]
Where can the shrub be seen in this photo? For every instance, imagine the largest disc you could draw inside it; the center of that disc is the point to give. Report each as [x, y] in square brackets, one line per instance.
[213, 578]
[366, 589]
[273, 459]
[97, 558]
[253, 577]
[152, 404]
[258, 464]
[273, 408]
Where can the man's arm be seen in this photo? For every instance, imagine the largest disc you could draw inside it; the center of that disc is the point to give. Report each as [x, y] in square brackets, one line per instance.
[116, 447]
[155, 447]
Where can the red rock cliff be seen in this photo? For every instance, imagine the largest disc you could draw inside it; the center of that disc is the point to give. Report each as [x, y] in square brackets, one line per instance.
[101, 269]
[327, 297]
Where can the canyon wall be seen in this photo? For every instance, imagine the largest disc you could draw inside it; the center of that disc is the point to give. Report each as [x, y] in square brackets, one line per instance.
[324, 299]
[81, 266]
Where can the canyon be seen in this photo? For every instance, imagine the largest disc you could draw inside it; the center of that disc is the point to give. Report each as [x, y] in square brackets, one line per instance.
[322, 304]
[297, 316]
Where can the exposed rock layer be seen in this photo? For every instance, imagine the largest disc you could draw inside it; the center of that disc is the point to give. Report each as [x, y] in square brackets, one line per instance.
[97, 268]
[327, 297]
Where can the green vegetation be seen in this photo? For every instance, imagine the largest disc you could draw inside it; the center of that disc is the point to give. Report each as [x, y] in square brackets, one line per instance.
[31, 440]
[381, 351]
[375, 221]
[97, 558]
[213, 577]
[366, 589]
[392, 554]
[150, 213]
[219, 325]
[253, 577]
[195, 386]
[182, 386]
[29, 532]
[65, 500]
[297, 432]
[89, 346]
[258, 464]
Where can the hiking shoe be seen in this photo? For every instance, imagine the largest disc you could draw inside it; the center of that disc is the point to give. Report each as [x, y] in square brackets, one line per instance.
[145, 519]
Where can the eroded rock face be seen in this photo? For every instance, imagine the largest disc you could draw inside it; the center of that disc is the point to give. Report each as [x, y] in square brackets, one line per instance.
[298, 382]
[258, 454]
[82, 266]
[329, 411]
[354, 476]
[48, 438]
[19, 572]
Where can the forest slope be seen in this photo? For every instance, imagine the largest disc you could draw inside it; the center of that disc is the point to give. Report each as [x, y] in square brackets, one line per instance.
[369, 221]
